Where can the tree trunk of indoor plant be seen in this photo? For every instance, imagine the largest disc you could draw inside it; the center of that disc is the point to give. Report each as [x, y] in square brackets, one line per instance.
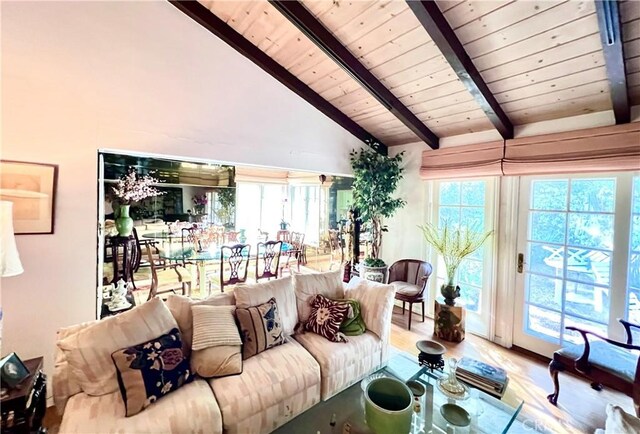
[376, 237]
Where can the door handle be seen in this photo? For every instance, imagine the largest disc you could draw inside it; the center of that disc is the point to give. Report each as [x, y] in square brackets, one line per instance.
[520, 262]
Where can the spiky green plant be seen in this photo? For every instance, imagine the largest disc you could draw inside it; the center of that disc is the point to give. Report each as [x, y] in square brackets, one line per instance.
[454, 243]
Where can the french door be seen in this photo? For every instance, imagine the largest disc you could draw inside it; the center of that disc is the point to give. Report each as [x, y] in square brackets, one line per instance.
[578, 258]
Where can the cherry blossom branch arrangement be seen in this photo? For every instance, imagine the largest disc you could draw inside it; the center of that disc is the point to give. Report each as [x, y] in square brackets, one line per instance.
[133, 187]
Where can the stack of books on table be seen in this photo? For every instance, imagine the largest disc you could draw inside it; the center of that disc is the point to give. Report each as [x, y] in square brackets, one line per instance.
[483, 376]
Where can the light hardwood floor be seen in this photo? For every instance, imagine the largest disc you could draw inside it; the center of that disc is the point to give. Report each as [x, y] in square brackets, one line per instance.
[580, 409]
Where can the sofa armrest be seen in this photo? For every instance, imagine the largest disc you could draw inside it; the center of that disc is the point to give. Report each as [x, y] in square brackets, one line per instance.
[376, 304]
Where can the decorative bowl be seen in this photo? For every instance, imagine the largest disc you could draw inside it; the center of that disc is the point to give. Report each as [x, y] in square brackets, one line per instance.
[455, 415]
[431, 348]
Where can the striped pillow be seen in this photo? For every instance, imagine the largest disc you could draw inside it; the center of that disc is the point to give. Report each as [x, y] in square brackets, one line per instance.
[214, 326]
[260, 327]
[326, 317]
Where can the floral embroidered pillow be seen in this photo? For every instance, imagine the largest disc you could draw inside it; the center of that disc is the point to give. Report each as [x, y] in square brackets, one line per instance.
[326, 316]
[260, 328]
[151, 370]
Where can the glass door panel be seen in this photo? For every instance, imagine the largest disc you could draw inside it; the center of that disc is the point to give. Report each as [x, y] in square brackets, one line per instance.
[633, 274]
[567, 238]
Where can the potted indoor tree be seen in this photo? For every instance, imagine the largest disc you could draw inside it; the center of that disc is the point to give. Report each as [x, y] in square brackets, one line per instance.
[453, 243]
[129, 189]
[376, 179]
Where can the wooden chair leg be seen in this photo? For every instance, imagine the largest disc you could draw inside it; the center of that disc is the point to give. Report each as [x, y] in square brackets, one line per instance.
[422, 311]
[403, 308]
[554, 368]
[410, 314]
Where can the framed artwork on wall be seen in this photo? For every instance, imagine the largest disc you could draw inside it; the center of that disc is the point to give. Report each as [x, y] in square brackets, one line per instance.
[32, 189]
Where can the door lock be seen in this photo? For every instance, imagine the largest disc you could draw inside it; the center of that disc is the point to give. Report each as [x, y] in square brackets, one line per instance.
[520, 262]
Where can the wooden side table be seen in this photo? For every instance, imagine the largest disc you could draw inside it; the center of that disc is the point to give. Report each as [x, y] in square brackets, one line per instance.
[123, 257]
[24, 406]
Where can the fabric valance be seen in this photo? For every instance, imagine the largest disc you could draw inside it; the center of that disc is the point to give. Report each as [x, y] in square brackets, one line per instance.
[605, 149]
[484, 159]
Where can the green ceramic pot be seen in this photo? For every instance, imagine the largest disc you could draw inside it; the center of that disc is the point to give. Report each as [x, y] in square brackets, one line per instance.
[124, 223]
[388, 406]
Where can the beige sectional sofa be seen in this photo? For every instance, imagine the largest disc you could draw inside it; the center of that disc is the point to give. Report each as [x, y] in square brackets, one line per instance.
[274, 386]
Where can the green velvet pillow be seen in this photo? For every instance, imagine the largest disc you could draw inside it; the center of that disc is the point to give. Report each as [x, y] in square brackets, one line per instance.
[353, 324]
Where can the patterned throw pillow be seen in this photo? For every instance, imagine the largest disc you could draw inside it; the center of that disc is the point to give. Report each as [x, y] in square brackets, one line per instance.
[148, 371]
[326, 317]
[260, 327]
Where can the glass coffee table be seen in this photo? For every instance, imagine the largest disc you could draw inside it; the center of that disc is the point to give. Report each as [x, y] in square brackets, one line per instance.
[344, 413]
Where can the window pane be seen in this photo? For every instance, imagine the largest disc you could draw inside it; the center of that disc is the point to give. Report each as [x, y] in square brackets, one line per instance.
[449, 193]
[543, 323]
[548, 226]
[636, 194]
[545, 259]
[544, 291]
[470, 273]
[587, 301]
[575, 337]
[473, 193]
[635, 233]
[589, 266]
[593, 195]
[473, 218]
[591, 230]
[470, 297]
[550, 195]
[449, 214]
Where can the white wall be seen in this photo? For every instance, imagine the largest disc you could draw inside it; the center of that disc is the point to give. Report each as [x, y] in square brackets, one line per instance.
[135, 76]
[404, 239]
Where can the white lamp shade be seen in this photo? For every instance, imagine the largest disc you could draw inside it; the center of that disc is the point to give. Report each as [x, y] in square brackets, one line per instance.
[10, 264]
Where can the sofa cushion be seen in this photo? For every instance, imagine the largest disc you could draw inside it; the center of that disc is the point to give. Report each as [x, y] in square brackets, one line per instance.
[274, 387]
[406, 288]
[260, 328]
[325, 318]
[307, 286]
[191, 408]
[248, 295]
[217, 361]
[89, 351]
[180, 307]
[619, 421]
[151, 370]
[343, 364]
[214, 326]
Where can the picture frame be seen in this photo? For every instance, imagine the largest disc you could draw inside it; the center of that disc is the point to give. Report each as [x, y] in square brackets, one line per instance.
[32, 189]
[12, 370]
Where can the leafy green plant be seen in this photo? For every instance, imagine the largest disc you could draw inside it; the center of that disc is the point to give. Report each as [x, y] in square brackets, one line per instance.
[373, 262]
[376, 178]
[454, 243]
[227, 199]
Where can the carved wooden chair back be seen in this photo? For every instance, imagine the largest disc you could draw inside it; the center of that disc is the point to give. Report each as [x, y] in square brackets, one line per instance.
[269, 255]
[262, 235]
[297, 240]
[234, 260]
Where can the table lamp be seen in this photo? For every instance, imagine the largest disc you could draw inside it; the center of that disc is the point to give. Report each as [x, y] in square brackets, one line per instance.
[10, 264]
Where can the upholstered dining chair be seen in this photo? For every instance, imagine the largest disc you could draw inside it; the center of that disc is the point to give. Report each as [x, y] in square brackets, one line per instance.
[409, 277]
[170, 278]
[235, 260]
[269, 255]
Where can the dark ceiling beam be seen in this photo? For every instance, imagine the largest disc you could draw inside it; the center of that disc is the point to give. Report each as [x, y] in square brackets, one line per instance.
[304, 20]
[207, 19]
[448, 43]
[611, 37]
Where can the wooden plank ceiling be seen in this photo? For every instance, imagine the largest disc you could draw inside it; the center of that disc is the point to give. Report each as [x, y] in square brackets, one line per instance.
[541, 59]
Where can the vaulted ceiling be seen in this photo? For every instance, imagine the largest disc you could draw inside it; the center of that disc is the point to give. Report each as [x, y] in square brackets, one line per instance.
[527, 61]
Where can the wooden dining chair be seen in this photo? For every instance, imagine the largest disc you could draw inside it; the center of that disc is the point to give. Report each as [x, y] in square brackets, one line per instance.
[171, 278]
[269, 254]
[235, 259]
[296, 250]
